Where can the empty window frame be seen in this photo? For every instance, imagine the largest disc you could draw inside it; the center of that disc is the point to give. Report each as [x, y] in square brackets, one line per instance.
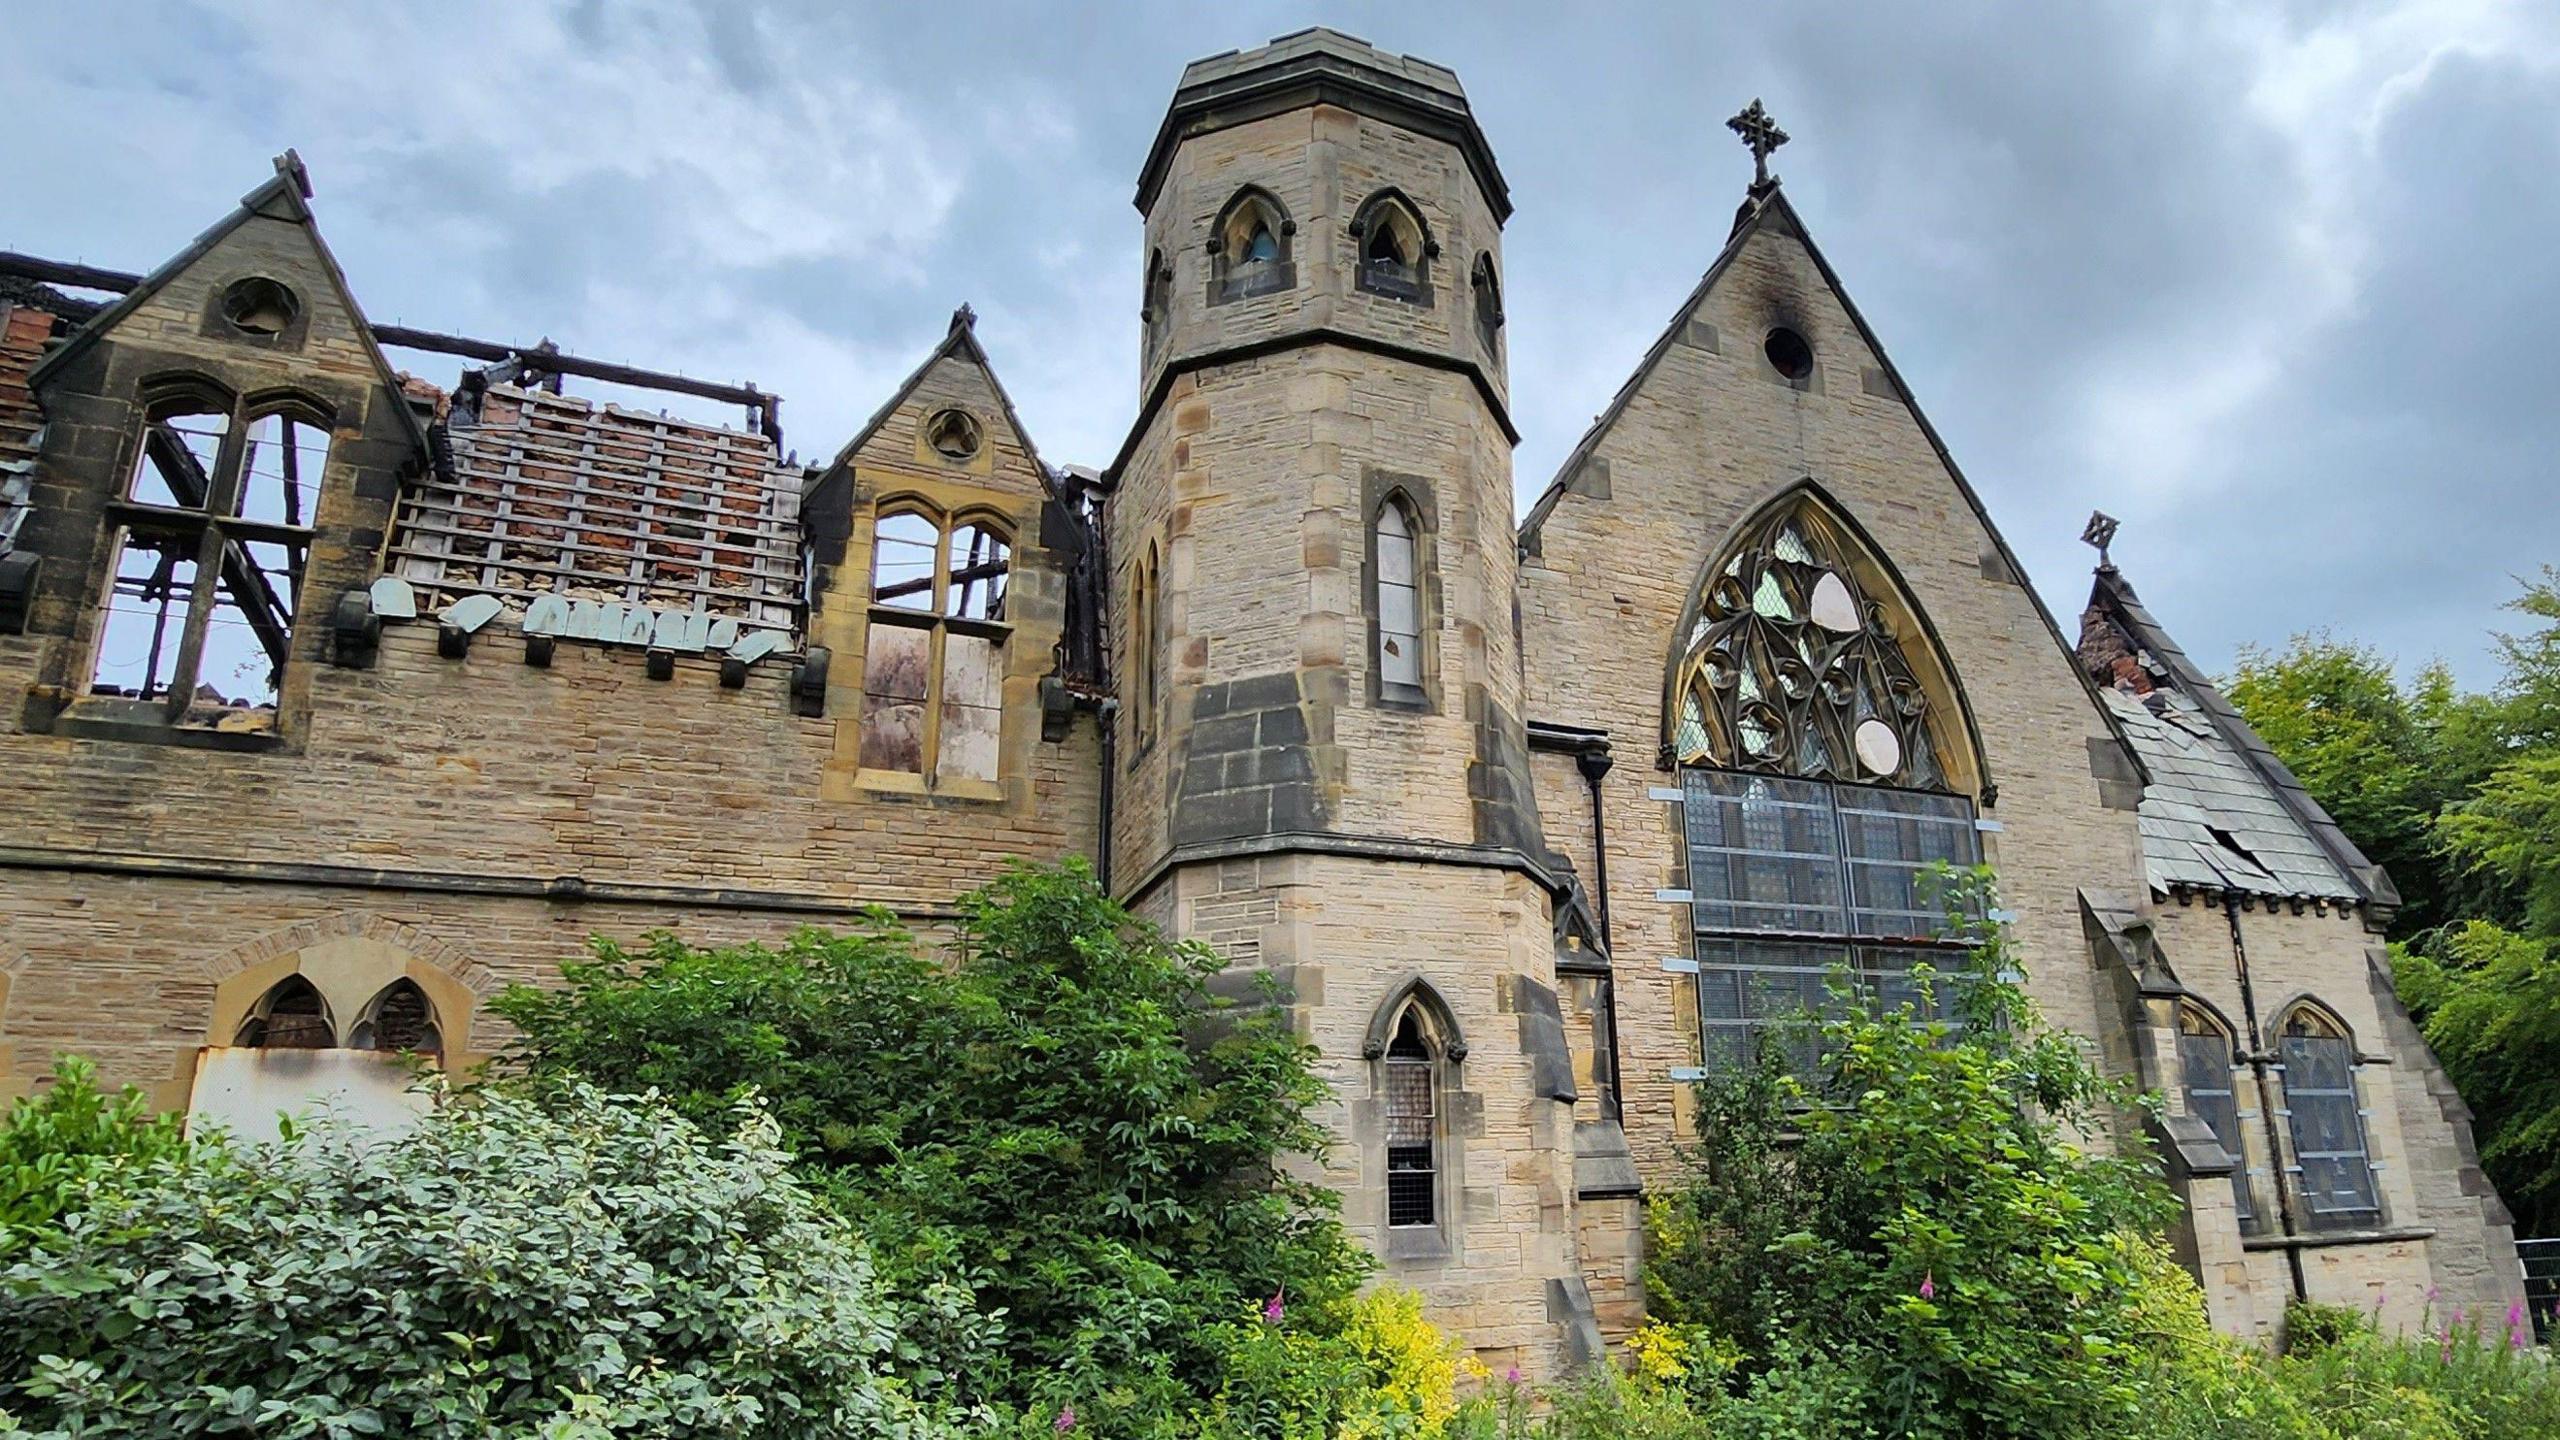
[1413, 1128]
[1395, 249]
[933, 671]
[2331, 1156]
[1488, 304]
[1249, 248]
[212, 534]
[1397, 602]
[1793, 881]
[2205, 1072]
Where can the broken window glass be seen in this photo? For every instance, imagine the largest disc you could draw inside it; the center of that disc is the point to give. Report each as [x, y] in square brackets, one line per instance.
[238, 492]
[290, 1016]
[2205, 1068]
[2329, 1148]
[933, 682]
[398, 1019]
[1399, 655]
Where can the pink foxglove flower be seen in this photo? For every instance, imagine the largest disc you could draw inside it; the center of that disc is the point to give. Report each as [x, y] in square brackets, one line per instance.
[1066, 1418]
[1511, 1376]
[1272, 1311]
[1929, 1286]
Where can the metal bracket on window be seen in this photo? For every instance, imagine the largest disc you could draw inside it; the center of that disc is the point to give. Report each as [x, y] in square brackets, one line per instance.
[1664, 792]
[1679, 964]
[1989, 827]
[2001, 917]
[1674, 897]
[1688, 1072]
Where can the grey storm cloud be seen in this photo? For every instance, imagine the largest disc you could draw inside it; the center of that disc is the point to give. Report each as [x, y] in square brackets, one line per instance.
[2271, 283]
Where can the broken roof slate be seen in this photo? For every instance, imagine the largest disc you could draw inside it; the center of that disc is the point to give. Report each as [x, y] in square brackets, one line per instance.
[2201, 784]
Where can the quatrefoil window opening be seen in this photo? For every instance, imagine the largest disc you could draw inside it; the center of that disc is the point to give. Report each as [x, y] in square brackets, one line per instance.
[1793, 669]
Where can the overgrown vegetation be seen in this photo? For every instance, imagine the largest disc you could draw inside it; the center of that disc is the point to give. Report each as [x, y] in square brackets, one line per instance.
[1074, 1168]
[2459, 795]
[783, 1239]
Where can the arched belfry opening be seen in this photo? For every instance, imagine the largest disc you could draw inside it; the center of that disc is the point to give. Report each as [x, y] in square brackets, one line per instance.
[1249, 247]
[1801, 653]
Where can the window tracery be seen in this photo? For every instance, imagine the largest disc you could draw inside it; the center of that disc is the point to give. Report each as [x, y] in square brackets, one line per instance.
[1790, 667]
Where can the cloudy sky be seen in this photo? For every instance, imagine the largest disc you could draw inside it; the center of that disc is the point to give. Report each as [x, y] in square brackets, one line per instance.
[2273, 283]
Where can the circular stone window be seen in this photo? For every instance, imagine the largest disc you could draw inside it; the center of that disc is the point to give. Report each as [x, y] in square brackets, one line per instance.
[953, 434]
[1788, 351]
[259, 306]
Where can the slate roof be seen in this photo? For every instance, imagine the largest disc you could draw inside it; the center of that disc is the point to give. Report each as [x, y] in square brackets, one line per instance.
[2220, 811]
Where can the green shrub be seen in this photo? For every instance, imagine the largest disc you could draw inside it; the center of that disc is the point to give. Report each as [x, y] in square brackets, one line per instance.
[58, 1145]
[2311, 1327]
[570, 1266]
[1921, 1212]
[1074, 1173]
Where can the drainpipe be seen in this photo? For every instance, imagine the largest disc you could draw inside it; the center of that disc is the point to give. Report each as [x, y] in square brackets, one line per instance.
[1594, 762]
[1107, 715]
[2266, 1091]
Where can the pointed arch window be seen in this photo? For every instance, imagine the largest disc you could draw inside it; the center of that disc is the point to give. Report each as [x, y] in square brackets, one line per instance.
[1413, 1125]
[1146, 645]
[2331, 1155]
[1249, 247]
[1815, 727]
[1488, 302]
[1395, 249]
[2205, 1071]
[400, 1019]
[1399, 609]
[933, 667]
[290, 1016]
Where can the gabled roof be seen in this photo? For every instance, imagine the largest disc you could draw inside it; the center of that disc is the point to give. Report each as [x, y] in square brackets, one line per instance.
[2221, 811]
[285, 197]
[961, 342]
[1766, 207]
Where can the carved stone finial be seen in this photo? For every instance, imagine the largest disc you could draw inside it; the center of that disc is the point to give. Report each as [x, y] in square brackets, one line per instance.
[1762, 135]
[964, 318]
[289, 164]
[2101, 532]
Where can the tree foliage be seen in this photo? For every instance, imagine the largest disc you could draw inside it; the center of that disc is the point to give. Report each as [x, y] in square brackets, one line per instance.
[562, 1266]
[1074, 1167]
[55, 1148]
[1921, 1213]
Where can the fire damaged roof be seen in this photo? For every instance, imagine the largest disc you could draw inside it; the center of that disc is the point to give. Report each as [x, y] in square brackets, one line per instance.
[2221, 812]
[552, 494]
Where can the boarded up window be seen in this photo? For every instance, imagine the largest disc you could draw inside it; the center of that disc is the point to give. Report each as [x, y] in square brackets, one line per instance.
[933, 674]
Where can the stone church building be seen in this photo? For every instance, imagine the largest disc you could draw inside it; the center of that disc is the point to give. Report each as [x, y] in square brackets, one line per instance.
[335, 700]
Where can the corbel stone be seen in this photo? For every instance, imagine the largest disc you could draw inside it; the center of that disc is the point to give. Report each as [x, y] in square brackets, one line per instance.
[17, 591]
[809, 682]
[355, 632]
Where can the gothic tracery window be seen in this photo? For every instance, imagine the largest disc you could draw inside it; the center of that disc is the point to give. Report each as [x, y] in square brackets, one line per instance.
[1816, 793]
[1791, 668]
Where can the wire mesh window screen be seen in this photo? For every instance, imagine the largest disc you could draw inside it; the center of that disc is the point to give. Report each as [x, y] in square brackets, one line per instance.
[1412, 1137]
[1791, 881]
[2328, 1133]
[2204, 1063]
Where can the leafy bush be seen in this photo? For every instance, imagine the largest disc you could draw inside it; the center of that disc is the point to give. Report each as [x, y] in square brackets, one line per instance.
[568, 1266]
[2311, 1327]
[1919, 1212]
[57, 1145]
[1074, 1174]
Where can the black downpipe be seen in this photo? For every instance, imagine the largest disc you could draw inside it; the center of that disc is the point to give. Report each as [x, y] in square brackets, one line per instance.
[1594, 762]
[2266, 1093]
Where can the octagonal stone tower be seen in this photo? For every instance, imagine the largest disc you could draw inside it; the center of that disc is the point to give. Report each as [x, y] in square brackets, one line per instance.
[1323, 767]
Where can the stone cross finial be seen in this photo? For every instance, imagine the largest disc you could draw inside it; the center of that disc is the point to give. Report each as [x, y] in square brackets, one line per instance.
[1762, 135]
[2101, 532]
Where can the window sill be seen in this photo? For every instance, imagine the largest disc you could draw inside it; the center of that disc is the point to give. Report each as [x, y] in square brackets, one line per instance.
[1396, 695]
[1416, 1242]
[2322, 1239]
[907, 783]
[146, 722]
